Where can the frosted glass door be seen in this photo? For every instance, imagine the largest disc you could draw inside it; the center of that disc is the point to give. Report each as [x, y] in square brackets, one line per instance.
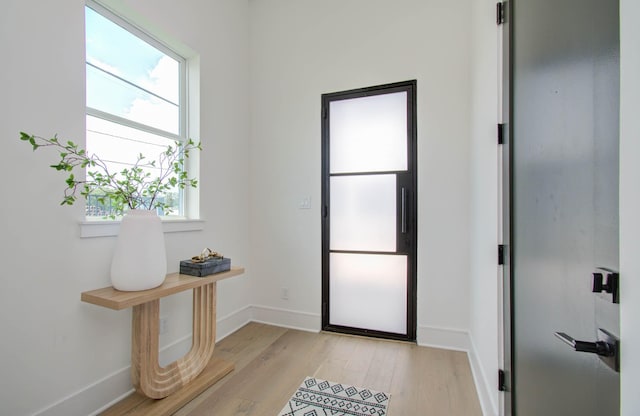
[369, 205]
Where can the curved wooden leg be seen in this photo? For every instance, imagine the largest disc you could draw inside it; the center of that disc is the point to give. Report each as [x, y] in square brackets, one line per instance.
[146, 374]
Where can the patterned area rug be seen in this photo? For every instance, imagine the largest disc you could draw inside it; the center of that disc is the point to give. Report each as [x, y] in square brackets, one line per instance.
[317, 397]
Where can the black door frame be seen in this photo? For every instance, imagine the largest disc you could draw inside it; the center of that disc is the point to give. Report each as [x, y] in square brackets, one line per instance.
[507, 380]
[408, 244]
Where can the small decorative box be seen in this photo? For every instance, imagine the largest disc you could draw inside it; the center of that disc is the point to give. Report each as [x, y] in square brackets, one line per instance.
[205, 268]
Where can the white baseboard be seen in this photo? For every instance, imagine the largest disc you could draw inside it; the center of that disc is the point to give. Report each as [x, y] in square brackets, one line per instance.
[230, 323]
[446, 338]
[483, 385]
[101, 394]
[304, 321]
[86, 400]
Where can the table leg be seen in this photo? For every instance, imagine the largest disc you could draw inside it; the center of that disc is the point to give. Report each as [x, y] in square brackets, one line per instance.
[146, 374]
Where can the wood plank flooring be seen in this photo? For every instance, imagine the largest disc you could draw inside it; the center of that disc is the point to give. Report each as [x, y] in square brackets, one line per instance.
[271, 362]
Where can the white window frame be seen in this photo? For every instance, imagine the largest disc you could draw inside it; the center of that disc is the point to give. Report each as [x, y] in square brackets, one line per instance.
[188, 219]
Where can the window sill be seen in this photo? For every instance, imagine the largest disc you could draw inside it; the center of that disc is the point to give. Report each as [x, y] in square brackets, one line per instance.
[110, 228]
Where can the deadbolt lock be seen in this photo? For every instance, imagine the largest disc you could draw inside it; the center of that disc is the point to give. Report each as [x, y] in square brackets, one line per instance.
[609, 285]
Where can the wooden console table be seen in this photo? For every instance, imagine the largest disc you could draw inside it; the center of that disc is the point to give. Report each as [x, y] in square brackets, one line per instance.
[147, 376]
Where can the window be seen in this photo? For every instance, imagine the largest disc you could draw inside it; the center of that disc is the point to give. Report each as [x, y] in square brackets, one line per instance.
[136, 95]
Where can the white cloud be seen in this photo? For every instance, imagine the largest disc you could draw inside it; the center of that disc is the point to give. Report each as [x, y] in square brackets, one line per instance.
[162, 79]
[155, 113]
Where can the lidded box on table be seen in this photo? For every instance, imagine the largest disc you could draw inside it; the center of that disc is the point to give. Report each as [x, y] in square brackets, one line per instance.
[205, 268]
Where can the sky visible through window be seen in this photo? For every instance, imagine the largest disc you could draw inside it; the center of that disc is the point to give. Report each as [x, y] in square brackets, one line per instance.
[130, 79]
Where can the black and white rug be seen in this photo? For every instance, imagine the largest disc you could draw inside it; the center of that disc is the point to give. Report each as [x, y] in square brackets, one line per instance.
[317, 397]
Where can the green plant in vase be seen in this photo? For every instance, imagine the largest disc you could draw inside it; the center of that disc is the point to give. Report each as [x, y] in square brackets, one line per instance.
[131, 188]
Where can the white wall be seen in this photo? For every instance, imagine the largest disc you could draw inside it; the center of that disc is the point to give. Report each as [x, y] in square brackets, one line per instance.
[64, 356]
[302, 49]
[52, 346]
[629, 205]
[260, 125]
[484, 276]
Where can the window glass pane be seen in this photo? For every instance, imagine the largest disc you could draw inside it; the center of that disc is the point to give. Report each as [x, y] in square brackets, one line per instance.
[136, 81]
[369, 291]
[363, 213]
[128, 77]
[369, 134]
[118, 146]
[113, 96]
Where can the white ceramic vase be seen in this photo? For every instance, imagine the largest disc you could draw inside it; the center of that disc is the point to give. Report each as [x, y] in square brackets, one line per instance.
[140, 258]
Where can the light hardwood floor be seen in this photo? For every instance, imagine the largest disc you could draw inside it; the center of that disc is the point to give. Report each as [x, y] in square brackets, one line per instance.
[271, 362]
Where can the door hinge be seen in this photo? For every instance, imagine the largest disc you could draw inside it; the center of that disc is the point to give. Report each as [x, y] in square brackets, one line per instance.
[501, 381]
[324, 112]
[500, 254]
[325, 211]
[500, 133]
[500, 6]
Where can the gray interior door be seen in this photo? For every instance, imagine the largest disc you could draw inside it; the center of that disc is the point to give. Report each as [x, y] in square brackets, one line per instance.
[564, 206]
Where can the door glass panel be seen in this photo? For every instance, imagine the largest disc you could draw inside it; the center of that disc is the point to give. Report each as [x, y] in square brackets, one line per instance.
[369, 291]
[369, 134]
[363, 213]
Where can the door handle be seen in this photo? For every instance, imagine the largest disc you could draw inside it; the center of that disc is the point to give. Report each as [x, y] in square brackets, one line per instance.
[607, 347]
[403, 210]
[599, 347]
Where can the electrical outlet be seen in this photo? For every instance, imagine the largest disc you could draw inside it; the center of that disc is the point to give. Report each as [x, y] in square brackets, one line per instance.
[305, 203]
[285, 293]
[163, 324]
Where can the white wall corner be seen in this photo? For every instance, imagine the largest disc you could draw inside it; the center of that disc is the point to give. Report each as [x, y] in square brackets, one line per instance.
[304, 321]
[230, 323]
[488, 401]
[460, 340]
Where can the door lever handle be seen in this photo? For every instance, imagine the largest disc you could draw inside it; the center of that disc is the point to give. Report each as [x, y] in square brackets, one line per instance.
[601, 348]
[403, 209]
